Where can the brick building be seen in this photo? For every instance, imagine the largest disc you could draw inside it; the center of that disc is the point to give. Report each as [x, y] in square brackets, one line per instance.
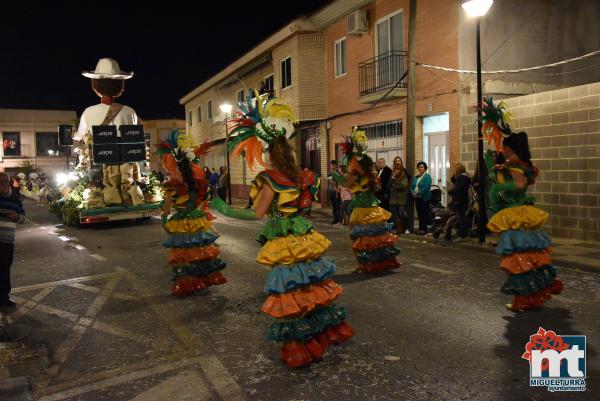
[346, 66]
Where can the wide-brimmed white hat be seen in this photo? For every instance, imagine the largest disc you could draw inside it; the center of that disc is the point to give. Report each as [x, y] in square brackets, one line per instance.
[107, 68]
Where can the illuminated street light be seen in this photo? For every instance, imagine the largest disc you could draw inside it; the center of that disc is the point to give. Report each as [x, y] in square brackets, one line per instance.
[477, 9]
[226, 108]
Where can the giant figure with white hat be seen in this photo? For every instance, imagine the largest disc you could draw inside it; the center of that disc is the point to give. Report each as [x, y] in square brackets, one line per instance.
[108, 82]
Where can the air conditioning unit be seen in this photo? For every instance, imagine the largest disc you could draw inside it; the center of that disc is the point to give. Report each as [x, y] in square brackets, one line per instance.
[357, 22]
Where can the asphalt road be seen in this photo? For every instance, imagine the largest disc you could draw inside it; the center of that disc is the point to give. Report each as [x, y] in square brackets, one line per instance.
[436, 329]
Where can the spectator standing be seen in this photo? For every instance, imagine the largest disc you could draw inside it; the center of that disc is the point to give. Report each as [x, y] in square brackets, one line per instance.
[11, 213]
[333, 193]
[420, 188]
[398, 193]
[213, 181]
[385, 173]
[16, 187]
[346, 198]
[460, 198]
[223, 183]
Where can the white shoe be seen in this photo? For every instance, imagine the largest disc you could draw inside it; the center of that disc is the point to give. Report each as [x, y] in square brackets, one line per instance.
[406, 231]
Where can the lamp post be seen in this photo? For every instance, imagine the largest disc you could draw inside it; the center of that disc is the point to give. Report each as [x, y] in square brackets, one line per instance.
[226, 108]
[477, 9]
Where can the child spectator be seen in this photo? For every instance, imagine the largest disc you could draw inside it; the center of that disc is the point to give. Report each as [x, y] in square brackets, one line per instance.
[11, 213]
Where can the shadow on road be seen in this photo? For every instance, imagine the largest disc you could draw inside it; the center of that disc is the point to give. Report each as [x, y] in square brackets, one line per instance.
[350, 278]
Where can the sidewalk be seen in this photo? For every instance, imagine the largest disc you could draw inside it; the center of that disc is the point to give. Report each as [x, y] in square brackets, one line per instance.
[568, 252]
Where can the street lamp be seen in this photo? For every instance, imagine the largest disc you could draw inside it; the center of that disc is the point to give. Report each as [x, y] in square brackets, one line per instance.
[226, 108]
[477, 9]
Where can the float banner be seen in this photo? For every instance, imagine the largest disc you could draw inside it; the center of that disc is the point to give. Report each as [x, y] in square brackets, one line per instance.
[104, 134]
[105, 153]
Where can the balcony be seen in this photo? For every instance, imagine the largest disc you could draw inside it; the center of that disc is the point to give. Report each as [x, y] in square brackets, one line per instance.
[382, 77]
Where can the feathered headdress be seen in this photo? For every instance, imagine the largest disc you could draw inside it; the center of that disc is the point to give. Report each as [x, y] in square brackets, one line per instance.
[495, 121]
[182, 161]
[261, 120]
[355, 145]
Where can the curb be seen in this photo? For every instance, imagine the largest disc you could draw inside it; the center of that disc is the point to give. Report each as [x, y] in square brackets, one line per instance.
[560, 261]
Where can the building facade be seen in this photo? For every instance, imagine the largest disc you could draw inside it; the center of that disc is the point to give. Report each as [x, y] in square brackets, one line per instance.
[348, 64]
[157, 131]
[32, 135]
[290, 65]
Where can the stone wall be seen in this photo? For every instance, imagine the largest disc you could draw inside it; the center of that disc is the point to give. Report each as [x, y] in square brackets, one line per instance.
[564, 137]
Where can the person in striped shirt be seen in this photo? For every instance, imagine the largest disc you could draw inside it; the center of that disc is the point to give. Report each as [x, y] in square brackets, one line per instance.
[11, 213]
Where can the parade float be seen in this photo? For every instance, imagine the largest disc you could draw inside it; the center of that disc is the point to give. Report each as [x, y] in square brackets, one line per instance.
[111, 180]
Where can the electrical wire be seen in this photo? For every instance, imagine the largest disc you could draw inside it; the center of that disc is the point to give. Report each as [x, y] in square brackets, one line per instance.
[513, 71]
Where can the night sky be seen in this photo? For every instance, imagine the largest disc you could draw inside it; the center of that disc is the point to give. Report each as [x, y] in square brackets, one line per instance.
[172, 47]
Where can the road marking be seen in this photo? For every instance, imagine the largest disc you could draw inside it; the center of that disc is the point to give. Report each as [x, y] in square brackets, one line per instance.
[60, 282]
[98, 257]
[433, 269]
[218, 376]
[42, 294]
[64, 238]
[122, 378]
[96, 290]
[74, 337]
[79, 247]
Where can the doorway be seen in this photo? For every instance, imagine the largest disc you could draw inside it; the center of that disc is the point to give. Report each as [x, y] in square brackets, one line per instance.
[310, 143]
[436, 132]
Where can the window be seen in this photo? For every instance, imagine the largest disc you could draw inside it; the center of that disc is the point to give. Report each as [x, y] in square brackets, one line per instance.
[270, 84]
[190, 118]
[286, 72]
[339, 57]
[11, 143]
[240, 96]
[209, 110]
[199, 114]
[46, 144]
[390, 33]
[385, 140]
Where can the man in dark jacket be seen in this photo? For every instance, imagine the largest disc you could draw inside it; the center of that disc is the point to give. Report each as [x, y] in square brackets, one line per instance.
[460, 198]
[385, 173]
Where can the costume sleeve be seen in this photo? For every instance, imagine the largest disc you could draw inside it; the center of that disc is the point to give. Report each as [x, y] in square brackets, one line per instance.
[83, 127]
[220, 206]
[286, 192]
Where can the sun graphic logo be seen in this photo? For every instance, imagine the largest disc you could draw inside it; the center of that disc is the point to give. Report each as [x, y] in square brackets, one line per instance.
[557, 362]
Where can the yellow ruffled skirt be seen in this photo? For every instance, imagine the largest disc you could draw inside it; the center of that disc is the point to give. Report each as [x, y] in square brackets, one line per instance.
[369, 215]
[293, 249]
[514, 218]
[188, 225]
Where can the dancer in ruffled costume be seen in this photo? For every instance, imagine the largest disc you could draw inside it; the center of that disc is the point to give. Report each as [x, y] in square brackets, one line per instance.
[193, 254]
[299, 288]
[524, 247]
[373, 240]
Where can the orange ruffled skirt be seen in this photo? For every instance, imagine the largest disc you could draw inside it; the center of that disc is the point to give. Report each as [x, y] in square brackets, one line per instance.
[301, 301]
[186, 256]
[296, 354]
[380, 241]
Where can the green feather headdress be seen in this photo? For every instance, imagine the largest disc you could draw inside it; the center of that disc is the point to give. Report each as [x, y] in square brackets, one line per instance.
[355, 145]
[495, 121]
[262, 120]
